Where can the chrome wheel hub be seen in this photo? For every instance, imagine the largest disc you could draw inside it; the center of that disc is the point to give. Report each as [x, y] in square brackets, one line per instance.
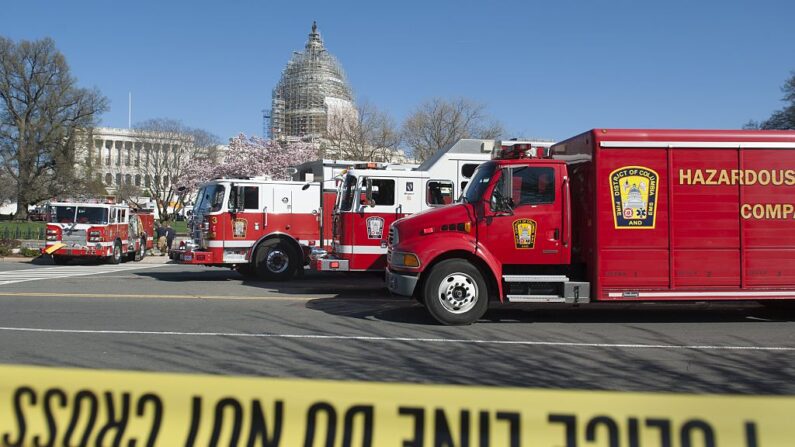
[277, 261]
[458, 293]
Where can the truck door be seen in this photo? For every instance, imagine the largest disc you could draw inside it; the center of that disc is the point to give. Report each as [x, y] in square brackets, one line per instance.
[246, 221]
[530, 233]
[371, 223]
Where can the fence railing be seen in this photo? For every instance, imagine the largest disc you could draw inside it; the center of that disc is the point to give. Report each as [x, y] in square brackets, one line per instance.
[22, 233]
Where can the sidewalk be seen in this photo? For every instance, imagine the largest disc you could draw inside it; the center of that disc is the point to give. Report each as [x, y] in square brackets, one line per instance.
[16, 259]
[45, 260]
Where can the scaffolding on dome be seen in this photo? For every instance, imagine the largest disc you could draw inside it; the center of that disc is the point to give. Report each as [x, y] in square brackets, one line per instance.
[312, 86]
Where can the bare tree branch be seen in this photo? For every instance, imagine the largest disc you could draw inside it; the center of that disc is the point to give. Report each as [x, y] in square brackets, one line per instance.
[169, 149]
[365, 133]
[439, 122]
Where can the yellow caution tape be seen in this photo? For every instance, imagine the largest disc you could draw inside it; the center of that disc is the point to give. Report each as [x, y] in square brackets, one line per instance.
[52, 249]
[43, 406]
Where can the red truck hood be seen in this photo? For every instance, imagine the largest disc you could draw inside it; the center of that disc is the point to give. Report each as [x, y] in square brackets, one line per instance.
[435, 218]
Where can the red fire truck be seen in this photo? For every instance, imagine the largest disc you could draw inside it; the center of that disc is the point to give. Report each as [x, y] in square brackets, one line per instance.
[263, 227]
[371, 199]
[609, 215]
[271, 229]
[96, 229]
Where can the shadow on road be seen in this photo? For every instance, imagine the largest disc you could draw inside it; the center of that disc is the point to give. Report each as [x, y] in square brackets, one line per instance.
[420, 360]
[405, 310]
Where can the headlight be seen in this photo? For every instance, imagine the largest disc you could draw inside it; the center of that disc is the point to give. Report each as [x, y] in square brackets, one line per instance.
[405, 260]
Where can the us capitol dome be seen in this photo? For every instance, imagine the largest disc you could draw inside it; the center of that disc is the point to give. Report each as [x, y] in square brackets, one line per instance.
[313, 87]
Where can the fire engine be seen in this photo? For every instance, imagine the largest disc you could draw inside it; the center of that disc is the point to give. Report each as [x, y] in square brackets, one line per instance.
[271, 229]
[263, 227]
[609, 215]
[97, 229]
[371, 199]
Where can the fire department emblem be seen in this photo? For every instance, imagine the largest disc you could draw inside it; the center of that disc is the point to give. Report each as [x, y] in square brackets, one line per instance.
[239, 228]
[375, 228]
[634, 190]
[524, 233]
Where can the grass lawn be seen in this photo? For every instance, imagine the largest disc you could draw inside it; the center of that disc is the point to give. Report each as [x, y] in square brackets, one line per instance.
[10, 229]
[181, 227]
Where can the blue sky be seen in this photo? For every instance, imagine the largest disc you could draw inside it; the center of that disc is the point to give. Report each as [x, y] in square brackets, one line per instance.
[544, 69]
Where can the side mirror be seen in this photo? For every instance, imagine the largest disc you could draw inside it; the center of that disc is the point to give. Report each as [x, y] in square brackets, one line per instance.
[506, 206]
[501, 205]
[369, 193]
[233, 198]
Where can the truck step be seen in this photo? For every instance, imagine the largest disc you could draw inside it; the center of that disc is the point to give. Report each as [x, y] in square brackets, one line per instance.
[535, 299]
[535, 278]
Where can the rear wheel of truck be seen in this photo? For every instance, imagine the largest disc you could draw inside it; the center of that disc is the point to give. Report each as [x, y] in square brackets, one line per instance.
[455, 293]
[115, 256]
[139, 253]
[275, 260]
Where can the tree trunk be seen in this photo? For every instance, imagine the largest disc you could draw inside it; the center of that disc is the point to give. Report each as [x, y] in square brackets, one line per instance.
[22, 208]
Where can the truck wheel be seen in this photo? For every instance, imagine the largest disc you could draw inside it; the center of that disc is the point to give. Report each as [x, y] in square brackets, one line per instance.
[60, 260]
[115, 257]
[455, 293]
[139, 254]
[275, 261]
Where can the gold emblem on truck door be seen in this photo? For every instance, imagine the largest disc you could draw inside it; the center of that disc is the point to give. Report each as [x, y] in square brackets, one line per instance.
[634, 191]
[524, 233]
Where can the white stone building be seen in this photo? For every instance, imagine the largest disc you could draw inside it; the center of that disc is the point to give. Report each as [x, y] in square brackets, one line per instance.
[118, 157]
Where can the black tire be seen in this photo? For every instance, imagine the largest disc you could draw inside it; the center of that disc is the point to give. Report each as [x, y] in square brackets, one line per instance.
[455, 293]
[60, 260]
[116, 256]
[275, 260]
[139, 254]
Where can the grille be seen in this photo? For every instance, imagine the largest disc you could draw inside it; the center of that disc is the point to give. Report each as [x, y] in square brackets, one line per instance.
[392, 236]
[75, 237]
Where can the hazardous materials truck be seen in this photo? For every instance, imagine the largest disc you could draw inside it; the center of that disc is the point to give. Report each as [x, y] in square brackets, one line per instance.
[609, 215]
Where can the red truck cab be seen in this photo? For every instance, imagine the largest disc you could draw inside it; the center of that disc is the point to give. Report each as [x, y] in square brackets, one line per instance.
[609, 215]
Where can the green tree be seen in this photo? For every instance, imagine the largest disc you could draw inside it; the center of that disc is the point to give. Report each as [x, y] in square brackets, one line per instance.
[42, 116]
[783, 119]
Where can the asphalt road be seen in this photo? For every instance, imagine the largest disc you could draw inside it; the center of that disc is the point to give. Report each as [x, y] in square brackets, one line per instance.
[193, 319]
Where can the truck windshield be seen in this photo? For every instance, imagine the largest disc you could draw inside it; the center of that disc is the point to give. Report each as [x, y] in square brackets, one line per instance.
[348, 191]
[480, 180]
[210, 199]
[79, 214]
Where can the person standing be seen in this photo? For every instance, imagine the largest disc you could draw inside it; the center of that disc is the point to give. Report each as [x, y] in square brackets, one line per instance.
[171, 234]
[162, 244]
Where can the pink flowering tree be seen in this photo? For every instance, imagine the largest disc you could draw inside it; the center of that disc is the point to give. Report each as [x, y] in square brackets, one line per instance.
[249, 157]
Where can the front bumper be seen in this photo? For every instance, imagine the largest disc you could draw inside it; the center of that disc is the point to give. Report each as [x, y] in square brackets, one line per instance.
[401, 284]
[77, 251]
[192, 257]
